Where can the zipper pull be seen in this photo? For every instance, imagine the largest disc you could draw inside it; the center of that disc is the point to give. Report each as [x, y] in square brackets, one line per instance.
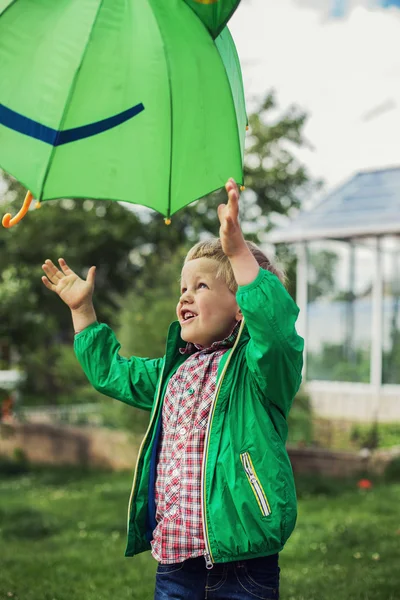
[207, 558]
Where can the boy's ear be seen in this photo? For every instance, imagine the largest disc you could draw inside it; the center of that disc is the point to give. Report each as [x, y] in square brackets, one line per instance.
[239, 315]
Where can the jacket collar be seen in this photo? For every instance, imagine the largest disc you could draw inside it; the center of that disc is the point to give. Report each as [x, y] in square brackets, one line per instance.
[175, 343]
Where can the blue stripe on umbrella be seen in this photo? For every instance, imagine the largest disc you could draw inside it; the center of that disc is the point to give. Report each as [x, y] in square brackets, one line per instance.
[13, 120]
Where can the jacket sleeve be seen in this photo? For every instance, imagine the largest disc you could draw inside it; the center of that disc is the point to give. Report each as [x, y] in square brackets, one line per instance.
[132, 380]
[274, 353]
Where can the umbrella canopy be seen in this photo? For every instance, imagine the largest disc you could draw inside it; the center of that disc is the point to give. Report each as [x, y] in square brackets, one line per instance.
[129, 100]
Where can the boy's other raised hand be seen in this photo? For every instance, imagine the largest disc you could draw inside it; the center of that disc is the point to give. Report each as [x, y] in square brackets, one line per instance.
[230, 231]
[76, 292]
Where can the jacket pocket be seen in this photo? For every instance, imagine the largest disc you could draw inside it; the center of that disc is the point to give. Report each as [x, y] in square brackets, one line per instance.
[255, 484]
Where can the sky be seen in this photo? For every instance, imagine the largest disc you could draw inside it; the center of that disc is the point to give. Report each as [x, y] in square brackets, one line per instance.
[344, 72]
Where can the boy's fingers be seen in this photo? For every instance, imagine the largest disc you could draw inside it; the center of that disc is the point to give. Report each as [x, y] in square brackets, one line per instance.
[47, 270]
[51, 273]
[231, 185]
[91, 275]
[48, 284]
[64, 267]
[221, 212]
[50, 269]
[233, 196]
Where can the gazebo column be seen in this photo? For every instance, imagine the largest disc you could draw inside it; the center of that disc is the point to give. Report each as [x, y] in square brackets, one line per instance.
[349, 348]
[377, 324]
[302, 296]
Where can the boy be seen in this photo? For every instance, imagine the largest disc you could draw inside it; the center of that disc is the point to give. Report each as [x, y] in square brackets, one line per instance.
[213, 494]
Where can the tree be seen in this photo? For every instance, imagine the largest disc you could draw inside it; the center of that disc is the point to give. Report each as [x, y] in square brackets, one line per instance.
[36, 322]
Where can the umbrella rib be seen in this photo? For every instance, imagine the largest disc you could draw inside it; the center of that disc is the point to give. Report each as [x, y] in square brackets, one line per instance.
[71, 91]
[7, 7]
[168, 214]
[233, 99]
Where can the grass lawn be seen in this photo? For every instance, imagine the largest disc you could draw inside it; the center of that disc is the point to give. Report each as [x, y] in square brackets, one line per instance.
[62, 537]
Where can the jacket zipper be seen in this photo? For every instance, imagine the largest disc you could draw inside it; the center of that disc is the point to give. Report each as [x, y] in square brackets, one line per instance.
[142, 446]
[208, 557]
[255, 484]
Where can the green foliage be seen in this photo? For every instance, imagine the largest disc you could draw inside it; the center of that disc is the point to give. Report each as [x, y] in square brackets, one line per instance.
[286, 258]
[117, 415]
[308, 485]
[3, 394]
[9, 467]
[300, 420]
[382, 435]
[35, 321]
[392, 471]
[149, 308]
[83, 235]
[322, 268]
[54, 376]
[366, 436]
[321, 271]
[272, 171]
[332, 364]
[391, 359]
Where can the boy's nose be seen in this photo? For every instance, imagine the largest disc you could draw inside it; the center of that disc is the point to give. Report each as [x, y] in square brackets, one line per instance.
[186, 297]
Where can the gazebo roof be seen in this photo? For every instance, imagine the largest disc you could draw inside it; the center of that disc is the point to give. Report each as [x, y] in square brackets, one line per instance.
[366, 205]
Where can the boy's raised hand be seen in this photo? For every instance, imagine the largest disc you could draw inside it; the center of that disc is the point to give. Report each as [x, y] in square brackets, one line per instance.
[230, 233]
[77, 293]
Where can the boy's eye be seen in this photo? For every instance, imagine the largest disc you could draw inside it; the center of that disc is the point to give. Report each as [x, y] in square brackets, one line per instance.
[183, 290]
[203, 285]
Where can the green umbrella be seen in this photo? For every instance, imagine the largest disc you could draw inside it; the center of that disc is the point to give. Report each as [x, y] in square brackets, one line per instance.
[129, 100]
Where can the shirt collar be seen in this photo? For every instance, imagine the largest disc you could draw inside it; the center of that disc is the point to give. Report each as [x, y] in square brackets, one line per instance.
[228, 342]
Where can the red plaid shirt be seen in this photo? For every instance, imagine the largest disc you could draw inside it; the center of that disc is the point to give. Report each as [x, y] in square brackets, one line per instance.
[178, 535]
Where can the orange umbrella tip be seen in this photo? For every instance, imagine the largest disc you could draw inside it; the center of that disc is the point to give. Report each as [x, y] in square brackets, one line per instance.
[9, 221]
[6, 220]
[242, 188]
[167, 221]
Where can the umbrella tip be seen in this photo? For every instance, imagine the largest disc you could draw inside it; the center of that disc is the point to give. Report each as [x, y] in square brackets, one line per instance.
[167, 221]
[242, 188]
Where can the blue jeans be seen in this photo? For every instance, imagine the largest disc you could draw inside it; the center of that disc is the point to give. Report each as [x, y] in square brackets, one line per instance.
[241, 580]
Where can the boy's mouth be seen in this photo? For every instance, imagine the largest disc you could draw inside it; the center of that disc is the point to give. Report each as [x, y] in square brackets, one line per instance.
[187, 316]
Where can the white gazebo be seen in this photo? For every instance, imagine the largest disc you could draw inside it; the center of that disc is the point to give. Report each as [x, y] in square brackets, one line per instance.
[348, 291]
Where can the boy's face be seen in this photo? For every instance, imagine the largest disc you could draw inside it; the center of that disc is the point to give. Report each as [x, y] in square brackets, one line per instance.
[207, 310]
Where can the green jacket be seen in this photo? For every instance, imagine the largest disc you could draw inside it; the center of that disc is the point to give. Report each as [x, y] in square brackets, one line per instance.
[248, 497]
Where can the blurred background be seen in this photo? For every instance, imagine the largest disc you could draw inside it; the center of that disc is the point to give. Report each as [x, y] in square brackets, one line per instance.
[322, 195]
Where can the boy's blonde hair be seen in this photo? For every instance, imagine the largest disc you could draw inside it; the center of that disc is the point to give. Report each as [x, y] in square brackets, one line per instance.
[212, 248]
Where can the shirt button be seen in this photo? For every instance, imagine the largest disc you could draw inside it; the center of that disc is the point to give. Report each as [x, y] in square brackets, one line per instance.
[191, 391]
[182, 431]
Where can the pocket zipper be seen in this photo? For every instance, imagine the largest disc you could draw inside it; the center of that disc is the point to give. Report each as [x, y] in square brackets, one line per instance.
[255, 484]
